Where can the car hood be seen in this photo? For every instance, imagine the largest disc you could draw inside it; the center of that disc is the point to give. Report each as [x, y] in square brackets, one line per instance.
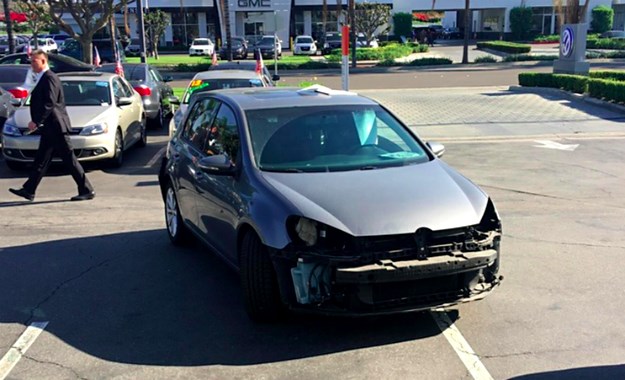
[80, 116]
[384, 201]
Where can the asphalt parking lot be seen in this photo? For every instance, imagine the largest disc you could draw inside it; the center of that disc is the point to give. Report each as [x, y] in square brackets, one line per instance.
[121, 302]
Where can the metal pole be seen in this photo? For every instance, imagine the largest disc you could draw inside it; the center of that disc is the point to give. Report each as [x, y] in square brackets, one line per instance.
[9, 25]
[275, 43]
[141, 30]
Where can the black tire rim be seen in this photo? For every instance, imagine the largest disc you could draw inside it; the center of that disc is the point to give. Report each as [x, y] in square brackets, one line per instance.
[171, 212]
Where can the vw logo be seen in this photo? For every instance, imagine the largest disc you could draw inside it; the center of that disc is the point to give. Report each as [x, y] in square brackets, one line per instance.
[566, 42]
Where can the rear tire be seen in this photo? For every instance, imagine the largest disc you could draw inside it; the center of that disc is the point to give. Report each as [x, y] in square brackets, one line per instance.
[177, 231]
[259, 281]
[143, 139]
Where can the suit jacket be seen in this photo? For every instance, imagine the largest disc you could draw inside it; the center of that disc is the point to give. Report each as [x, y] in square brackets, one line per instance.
[47, 105]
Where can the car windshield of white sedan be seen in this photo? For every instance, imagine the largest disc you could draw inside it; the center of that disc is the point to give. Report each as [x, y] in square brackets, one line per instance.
[201, 42]
[304, 40]
[86, 93]
[336, 138]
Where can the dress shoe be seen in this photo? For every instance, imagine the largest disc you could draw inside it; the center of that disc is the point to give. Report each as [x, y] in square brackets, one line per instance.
[83, 197]
[23, 193]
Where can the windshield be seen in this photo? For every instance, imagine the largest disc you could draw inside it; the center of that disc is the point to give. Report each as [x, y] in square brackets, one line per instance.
[267, 41]
[330, 138]
[201, 42]
[199, 85]
[304, 40]
[86, 93]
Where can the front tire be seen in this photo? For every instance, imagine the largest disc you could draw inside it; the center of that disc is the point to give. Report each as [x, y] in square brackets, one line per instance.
[259, 281]
[176, 230]
[118, 159]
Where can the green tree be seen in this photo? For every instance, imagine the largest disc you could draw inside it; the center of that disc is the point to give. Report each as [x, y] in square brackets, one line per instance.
[155, 23]
[89, 15]
[520, 22]
[369, 17]
[402, 24]
[602, 19]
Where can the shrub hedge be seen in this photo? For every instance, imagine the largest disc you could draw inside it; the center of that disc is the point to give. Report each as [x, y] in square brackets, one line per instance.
[606, 85]
[505, 46]
[529, 57]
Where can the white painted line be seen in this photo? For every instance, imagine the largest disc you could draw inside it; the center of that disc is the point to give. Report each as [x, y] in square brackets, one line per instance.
[555, 145]
[20, 347]
[156, 157]
[464, 351]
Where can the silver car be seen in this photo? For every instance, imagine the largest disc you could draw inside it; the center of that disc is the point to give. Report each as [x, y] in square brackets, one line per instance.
[107, 118]
[326, 202]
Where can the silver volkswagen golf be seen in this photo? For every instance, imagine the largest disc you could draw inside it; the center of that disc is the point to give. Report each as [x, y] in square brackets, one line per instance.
[326, 202]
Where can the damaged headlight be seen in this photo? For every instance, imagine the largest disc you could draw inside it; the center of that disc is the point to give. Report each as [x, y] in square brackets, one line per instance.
[306, 230]
[311, 233]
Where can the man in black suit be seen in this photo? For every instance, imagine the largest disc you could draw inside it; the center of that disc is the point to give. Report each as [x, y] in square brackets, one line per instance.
[48, 114]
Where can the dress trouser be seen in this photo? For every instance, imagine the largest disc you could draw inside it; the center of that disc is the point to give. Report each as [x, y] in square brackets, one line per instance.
[62, 146]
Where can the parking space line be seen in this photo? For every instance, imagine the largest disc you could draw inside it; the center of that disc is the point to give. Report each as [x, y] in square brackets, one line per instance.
[464, 351]
[158, 155]
[20, 347]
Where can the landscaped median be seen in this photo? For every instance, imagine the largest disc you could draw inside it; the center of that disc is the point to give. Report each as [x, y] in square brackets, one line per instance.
[505, 47]
[603, 85]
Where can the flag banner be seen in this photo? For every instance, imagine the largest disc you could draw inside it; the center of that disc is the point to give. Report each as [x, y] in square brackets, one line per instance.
[259, 62]
[96, 56]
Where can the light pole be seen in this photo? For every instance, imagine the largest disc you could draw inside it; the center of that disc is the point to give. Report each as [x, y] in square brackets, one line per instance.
[141, 30]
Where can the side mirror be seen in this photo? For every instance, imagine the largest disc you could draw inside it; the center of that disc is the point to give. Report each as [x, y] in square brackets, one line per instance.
[15, 102]
[437, 148]
[219, 164]
[124, 101]
[174, 100]
[168, 78]
[275, 77]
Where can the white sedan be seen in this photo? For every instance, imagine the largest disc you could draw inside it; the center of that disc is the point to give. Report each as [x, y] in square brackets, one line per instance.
[202, 46]
[106, 114]
[304, 45]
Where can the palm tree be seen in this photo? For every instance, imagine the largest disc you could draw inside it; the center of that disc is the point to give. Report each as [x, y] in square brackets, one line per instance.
[467, 28]
[571, 11]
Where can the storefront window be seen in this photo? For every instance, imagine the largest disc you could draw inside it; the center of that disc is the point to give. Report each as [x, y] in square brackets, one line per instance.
[184, 27]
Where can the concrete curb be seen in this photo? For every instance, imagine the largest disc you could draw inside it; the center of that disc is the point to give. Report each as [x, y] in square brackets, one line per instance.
[570, 96]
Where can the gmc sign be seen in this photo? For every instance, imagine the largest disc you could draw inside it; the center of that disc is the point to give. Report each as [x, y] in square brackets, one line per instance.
[254, 3]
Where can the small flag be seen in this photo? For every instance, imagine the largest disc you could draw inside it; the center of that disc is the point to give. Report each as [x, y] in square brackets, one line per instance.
[214, 61]
[96, 56]
[119, 69]
[259, 63]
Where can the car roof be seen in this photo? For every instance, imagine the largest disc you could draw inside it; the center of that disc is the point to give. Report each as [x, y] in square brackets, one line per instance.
[226, 74]
[256, 98]
[87, 75]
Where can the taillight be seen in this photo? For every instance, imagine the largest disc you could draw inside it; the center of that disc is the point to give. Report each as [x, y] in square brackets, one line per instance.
[19, 93]
[143, 90]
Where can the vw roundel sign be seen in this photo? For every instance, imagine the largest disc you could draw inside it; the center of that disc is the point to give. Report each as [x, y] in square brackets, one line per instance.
[566, 42]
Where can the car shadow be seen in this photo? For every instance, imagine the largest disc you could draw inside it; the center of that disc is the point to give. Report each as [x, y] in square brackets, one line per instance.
[135, 298]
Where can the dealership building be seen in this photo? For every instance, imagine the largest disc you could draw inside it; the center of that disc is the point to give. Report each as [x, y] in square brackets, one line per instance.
[287, 18]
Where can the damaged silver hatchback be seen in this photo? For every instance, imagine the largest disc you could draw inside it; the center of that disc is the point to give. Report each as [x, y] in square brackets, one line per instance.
[324, 201]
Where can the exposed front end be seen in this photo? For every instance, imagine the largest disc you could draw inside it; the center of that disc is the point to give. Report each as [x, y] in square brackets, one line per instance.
[327, 271]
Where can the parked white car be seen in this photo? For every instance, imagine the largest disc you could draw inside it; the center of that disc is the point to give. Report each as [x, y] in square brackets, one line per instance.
[202, 46]
[46, 44]
[106, 114]
[361, 41]
[304, 45]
